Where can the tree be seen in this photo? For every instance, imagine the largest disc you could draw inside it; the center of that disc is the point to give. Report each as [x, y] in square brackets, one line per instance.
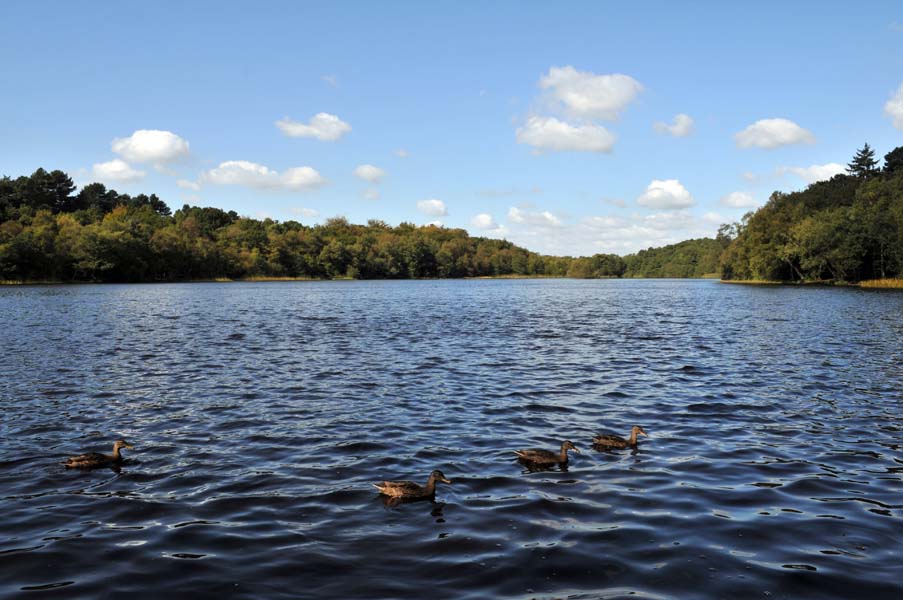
[893, 161]
[864, 163]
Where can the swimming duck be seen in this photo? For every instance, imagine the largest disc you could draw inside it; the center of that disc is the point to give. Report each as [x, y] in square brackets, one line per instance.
[409, 489]
[96, 459]
[608, 440]
[547, 457]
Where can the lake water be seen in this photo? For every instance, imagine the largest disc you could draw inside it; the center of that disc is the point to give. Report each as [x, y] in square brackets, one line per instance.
[261, 413]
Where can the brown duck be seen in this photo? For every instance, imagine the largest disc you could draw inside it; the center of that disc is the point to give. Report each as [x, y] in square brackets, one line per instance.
[409, 489]
[610, 441]
[96, 459]
[547, 457]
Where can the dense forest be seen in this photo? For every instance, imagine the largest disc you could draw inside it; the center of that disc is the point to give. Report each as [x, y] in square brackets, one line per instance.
[847, 229]
[48, 232]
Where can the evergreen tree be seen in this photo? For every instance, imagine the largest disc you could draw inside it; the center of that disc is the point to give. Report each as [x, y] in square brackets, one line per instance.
[864, 163]
[893, 161]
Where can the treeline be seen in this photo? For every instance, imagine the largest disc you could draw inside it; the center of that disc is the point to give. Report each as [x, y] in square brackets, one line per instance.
[847, 229]
[688, 259]
[50, 233]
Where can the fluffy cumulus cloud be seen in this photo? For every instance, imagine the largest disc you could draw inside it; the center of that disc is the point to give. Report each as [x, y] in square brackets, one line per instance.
[894, 108]
[535, 218]
[773, 133]
[681, 127]
[587, 95]
[548, 133]
[151, 146]
[666, 194]
[322, 126]
[249, 174]
[369, 173]
[814, 173]
[739, 200]
[116, 170]
[483, 221]
[432, 207]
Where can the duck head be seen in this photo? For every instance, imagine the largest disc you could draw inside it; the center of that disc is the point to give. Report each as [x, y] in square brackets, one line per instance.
[637, 430]
[437, 475]
[569, 445]
[122, 444]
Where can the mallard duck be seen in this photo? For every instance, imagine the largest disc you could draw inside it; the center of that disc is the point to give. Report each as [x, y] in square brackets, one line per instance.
[615, 441]
[96, 459]
[547, 457]
[409, 489]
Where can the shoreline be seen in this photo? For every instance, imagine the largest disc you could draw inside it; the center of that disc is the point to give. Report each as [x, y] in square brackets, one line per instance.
[888, 284]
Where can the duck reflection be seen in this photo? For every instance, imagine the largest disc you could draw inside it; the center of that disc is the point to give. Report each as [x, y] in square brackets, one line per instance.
[532, 467]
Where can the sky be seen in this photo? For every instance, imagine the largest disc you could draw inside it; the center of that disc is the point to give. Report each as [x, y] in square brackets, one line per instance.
[567, 128]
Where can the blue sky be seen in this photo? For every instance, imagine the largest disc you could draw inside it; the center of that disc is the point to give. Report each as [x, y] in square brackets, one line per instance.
[535, 122]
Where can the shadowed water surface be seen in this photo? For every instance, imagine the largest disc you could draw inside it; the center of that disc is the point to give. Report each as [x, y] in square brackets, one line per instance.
[262, 414]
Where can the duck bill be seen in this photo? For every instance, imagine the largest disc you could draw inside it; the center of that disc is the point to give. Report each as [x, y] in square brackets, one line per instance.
[576, 449]
[444, 480]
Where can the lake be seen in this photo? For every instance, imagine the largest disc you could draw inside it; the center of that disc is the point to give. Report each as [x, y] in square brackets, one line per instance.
[262, 413]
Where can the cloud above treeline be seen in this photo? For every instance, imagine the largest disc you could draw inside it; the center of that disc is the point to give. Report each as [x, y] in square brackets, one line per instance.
[577, 99]
[773, 133]
[116, 171]
[666, 194]
[253, 175]
[151, 146]
[322, 126]
[893, 108]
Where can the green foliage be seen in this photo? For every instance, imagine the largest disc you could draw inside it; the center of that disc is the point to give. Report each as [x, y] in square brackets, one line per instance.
[98, 234]
[864, 163]
[691, 258]
[847, 229]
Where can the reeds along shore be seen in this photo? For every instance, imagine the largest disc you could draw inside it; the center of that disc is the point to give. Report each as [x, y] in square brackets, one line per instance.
[889, 284]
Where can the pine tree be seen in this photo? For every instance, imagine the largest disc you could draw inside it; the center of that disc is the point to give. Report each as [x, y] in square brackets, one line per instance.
[864, 163]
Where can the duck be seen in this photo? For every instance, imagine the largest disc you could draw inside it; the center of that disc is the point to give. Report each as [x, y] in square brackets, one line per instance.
[409, 489]
[547, 457]
[608, 441]
[96, 459]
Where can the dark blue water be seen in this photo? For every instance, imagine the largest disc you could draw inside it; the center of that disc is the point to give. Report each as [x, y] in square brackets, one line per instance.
[262, 413]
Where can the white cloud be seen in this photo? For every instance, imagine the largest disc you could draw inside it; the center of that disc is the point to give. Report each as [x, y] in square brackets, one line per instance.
[667, 194]
[773, 133]
[739, 200]
[587, 95]
[245, 173]
[894, 108]
[749, 176]
[401, 153]
[606, 233]
[330, 79]
[543, 218]
[548, 133]
[310, 213]
[683, 126]
[436, 223]
[150, 146]
[116, 170]
[613, 202]
[322, 126]
[483, 221]
[814, 173]
[188, 185]
[369, 173]
[371, 194]
[432, 207]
